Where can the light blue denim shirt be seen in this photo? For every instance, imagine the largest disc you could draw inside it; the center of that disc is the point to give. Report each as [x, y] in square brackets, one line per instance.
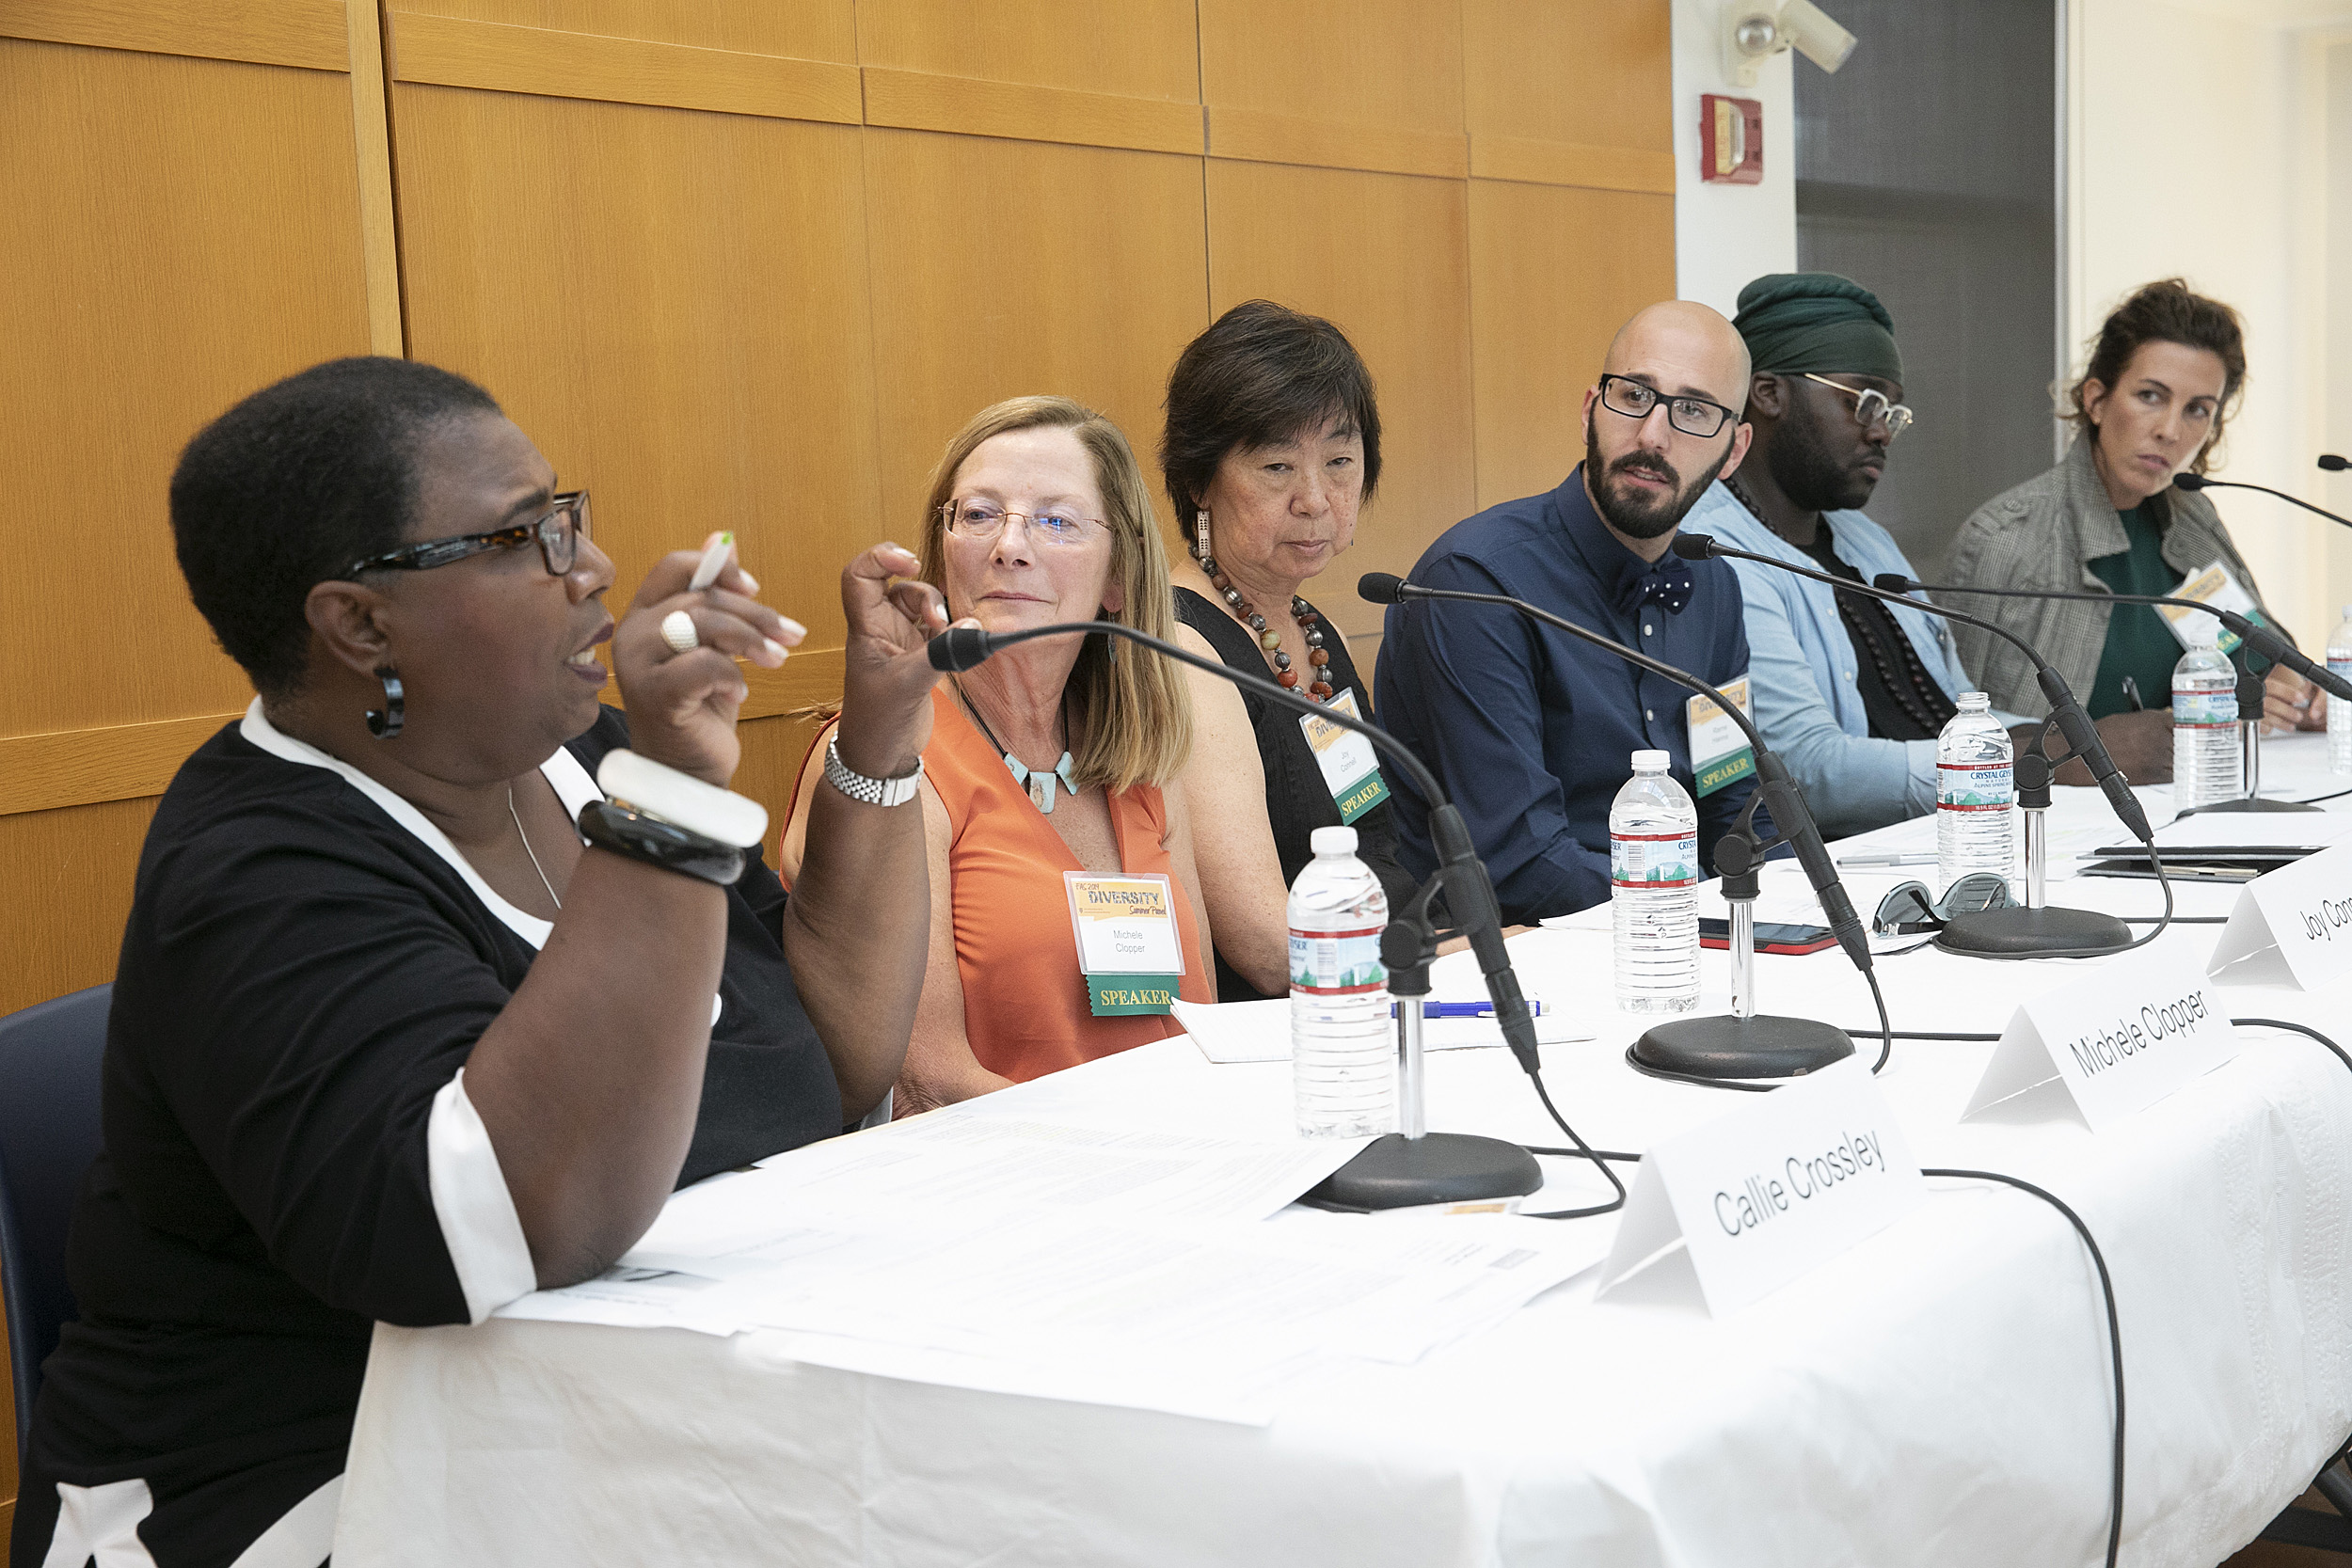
[1802, 665]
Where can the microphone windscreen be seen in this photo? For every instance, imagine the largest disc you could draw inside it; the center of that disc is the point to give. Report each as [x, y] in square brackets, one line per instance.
[1380, 587]
[1893, 582]
[2189, 481]
[2333, 464]
[958, 648]
[1695, 546]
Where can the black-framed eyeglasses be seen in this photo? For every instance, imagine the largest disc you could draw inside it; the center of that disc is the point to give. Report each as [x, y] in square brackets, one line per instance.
[557, 533]
[1914, 906]
[1692, 416]
[1870, 405]
[982, 519]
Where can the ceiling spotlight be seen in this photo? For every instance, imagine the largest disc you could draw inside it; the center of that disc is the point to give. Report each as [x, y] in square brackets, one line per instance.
[1755, 30]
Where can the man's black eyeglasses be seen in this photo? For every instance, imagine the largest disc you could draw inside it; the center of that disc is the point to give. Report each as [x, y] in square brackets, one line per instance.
[558, 533]
[1692, 416]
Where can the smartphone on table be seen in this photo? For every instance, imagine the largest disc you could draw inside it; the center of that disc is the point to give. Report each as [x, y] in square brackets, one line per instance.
[1792, 940]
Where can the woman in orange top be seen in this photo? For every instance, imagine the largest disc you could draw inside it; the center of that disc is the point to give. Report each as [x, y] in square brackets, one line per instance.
[1052, 756]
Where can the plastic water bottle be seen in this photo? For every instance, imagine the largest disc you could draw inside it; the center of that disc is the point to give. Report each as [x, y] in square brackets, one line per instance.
[1342, 1041]
[2208, 760]
[2340, 713]
[1976, 793]
[1654, 874]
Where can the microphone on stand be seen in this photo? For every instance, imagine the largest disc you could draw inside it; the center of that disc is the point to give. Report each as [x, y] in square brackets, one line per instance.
[1413, 1166]
[2194, 483]
[2333, 464]
[1743, 1045]
[2019, 932]
[2257, 638]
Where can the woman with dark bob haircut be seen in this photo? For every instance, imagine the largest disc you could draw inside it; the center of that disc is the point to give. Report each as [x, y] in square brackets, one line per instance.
[438, 976]
[2165, 371]
[1271, 449]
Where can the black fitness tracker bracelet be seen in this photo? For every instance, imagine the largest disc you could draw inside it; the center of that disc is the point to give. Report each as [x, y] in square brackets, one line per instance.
[607, 824]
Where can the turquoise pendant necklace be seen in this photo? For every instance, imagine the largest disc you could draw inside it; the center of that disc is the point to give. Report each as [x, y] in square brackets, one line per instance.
[1041, 784]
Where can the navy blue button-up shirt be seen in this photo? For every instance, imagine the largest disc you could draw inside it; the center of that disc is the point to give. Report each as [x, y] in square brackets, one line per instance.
[1530, 731]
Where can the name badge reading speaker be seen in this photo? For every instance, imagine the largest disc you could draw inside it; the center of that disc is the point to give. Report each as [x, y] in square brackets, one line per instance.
[1130, 949]
[2111, 1044]
[1735, 1208]
[2292, 927]
[1719, 748]
[1351, 769]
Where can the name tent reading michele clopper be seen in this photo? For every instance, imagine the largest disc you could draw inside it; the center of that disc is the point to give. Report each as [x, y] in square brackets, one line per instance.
[1732, 1210]
[2109, 1045]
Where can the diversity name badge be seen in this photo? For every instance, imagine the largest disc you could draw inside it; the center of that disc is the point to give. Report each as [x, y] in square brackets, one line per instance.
[1351, 769]
[1129, 947]
[1719, 748]
[2218, 586]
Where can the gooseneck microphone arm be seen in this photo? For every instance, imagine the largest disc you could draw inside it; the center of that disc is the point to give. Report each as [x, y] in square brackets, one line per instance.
[2260, 639]
[2081, 735]
[1778, 791]
[2194, 483]
[1469, 895]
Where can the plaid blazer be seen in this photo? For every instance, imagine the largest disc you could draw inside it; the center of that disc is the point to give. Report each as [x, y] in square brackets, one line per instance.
[2043, 535]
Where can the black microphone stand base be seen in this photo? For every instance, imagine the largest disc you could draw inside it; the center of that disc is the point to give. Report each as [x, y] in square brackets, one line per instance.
[1732, 1047]
[1395, 1172]
[2023, 933]
[2263, 804]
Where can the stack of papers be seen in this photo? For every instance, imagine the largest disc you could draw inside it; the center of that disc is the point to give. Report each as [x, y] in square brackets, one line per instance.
[1027, 1255]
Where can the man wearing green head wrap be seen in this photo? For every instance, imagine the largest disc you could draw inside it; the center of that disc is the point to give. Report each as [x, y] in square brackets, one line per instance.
[1851, 691]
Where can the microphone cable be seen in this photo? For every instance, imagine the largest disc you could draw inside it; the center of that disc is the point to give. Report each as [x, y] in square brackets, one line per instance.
[1599, 1159]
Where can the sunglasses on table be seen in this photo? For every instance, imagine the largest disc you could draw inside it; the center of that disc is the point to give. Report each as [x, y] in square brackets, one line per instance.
[557, 533]
[1912, 907]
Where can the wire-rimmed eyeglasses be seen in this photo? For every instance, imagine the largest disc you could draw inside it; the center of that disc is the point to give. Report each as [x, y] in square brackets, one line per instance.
[1693, 416]
[557, 532]
[1870, 405]
[972, 518]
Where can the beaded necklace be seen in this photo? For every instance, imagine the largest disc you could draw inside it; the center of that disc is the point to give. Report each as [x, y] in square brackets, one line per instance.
[1309, 618]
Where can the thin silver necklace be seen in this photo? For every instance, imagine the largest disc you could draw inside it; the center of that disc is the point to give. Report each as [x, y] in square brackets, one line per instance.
[529, 851]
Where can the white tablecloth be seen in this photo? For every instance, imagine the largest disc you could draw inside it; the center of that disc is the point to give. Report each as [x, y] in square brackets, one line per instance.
[1940, 1394]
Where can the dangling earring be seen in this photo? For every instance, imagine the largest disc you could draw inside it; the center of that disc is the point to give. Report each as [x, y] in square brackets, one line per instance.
[1200, 535]
[385, 724]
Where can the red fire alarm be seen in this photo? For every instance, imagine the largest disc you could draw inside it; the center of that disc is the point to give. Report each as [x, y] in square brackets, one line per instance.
[1731, 140]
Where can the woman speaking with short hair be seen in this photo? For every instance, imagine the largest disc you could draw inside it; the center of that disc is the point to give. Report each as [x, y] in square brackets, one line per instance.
[438, 976]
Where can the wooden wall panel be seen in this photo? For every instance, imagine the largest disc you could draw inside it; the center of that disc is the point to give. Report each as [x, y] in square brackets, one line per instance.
[1133, 48]
[1588, 73]
[1003, 268]
[1390, 63]
[1386, 256]
[672, 304]
[1554, 274]
[179, 232]
[804, 29]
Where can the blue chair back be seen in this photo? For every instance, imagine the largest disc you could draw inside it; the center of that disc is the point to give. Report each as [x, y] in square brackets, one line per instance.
[49, 1134]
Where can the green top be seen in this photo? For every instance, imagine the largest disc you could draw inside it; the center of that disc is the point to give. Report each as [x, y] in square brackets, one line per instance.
[2138, 644]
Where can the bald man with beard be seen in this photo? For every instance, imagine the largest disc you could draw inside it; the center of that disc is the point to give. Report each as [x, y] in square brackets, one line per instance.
[1531, 731]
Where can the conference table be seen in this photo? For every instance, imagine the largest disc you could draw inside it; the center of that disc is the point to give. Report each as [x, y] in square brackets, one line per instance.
[1938, 1393]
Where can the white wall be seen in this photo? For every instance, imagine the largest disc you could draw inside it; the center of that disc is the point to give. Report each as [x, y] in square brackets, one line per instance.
[2199, 145]
[1724, 235]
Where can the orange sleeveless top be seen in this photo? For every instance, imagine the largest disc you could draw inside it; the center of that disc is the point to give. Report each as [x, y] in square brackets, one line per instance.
[1024, 1000]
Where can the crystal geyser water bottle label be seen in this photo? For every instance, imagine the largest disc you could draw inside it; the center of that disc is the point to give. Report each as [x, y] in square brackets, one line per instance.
[1337, 963]
[1653, 860]
[1973, 786]
[2204, 710]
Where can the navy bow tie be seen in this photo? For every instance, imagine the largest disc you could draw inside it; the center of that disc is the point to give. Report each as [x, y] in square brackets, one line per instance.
[1668, 583]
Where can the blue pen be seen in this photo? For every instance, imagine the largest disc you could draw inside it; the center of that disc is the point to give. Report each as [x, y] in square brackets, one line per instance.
[1463, 1009]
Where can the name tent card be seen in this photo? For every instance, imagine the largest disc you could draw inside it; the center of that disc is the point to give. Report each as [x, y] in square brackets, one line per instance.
[2292, 927]
[1768, 1193]
[2122, 1038]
